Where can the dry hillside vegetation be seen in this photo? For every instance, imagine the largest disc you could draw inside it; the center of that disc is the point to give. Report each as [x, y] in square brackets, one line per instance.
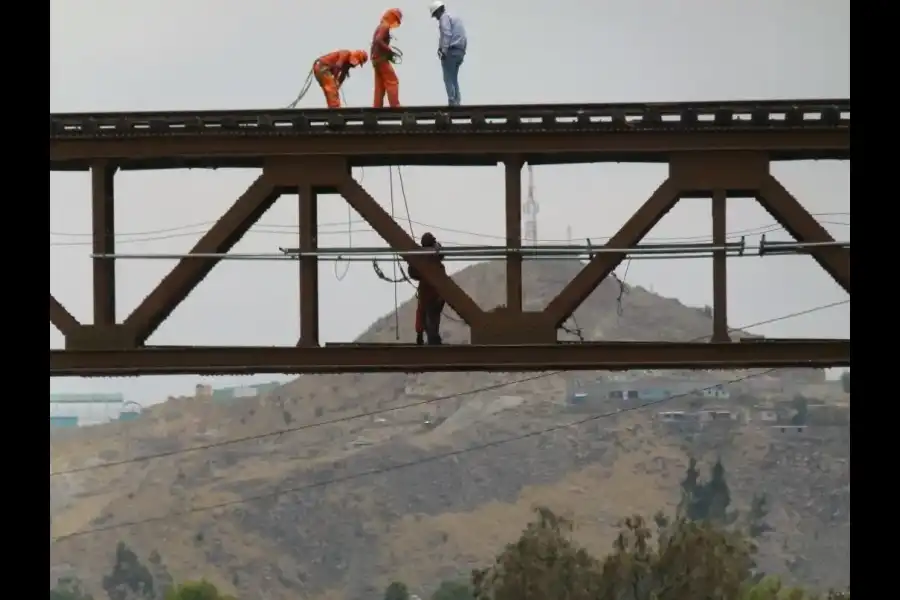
[228, 512]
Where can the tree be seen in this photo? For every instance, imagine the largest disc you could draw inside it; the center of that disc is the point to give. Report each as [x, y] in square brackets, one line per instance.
[693, 501]
[543, 563]
[68, 588]
[129, 578]
[397, 590]
[718, 496]
[453, 590]
[801, 408]
[845, 381]
[756, 516]
[196, 590]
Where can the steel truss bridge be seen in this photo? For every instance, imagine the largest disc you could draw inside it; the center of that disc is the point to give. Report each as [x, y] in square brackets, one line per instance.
[713, 150]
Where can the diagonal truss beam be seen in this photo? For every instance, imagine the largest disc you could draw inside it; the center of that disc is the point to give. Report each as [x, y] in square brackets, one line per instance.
[61, 318]
[599, 268]
[189, 272]
[791, 215]
[399, 240]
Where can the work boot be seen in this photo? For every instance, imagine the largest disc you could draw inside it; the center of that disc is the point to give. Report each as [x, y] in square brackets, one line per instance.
[435, 341]
[420, 339]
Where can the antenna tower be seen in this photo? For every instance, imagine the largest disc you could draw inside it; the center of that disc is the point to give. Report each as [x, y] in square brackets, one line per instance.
[529, 212]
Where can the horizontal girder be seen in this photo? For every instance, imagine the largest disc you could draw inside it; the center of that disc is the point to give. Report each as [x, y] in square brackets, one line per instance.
[353, 358]
[550, 134]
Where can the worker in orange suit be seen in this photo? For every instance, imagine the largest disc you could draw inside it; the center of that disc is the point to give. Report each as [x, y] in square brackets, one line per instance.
[386, 82]
[332, 69]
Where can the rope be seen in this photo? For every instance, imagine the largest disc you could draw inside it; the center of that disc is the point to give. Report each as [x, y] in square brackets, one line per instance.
[303, 90]
[396, 55]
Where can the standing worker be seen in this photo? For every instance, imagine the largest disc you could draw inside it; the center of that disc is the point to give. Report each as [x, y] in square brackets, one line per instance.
[332, 69]
[429, 304]
[451, 49]
[386, 82]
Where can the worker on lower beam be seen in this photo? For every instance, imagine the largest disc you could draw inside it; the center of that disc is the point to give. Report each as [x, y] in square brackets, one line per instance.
[429, 304]
[383, 55]
[332, 69]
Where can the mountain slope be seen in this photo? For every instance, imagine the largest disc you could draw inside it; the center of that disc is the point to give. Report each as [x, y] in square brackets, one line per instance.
[259, 517]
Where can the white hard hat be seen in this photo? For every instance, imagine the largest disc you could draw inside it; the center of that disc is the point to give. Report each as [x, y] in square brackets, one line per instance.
[435, 6]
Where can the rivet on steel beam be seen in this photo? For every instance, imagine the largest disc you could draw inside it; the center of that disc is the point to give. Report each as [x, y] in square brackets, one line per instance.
[723, 117]
[370, 122]
[651, 117]
[831, 116]
[793, 117]
[336, 122]
[759, 117]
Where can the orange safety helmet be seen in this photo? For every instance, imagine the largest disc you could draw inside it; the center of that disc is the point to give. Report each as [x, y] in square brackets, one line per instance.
[393, 17]
[358, 57]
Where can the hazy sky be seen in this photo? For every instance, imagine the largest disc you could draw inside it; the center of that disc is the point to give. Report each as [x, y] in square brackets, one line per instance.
[108, 55]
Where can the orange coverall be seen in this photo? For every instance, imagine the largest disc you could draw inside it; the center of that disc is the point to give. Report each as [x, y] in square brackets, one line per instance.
[386, 82]
[330, 71]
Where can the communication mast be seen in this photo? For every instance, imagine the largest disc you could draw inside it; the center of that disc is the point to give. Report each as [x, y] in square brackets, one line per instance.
[529, 212]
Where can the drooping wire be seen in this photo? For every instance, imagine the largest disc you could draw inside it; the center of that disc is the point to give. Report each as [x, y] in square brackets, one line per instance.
[380, 411]
[623, 288]
[277, 493]
[394, 264]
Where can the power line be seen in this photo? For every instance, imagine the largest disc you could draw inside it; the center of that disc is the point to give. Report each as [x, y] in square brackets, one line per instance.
[395, 467]
[276, 229]
[307, 426]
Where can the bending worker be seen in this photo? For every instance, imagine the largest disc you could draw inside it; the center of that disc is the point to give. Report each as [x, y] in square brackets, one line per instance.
[332, 69]
[430, 305]
[386, 82]
[451, 49]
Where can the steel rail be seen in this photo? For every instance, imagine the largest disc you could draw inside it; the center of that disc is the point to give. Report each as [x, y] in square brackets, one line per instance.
[629, 107]
[416, 359]
[778, 114]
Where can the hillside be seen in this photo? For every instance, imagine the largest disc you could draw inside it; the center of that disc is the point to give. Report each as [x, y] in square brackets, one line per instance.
[237, 514]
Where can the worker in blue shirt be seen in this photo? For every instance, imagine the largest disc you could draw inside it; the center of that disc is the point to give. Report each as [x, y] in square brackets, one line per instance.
[451, 49]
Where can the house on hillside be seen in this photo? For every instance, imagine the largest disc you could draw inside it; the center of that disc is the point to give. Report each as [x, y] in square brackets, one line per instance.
[601, 392]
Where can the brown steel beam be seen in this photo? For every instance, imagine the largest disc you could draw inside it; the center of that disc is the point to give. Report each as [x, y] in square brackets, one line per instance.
[599, 268]
[61, 318]
[441, 148]
[399, 240]
[309, 267]
[514, 233]
[188, 273]
[104, 242]
[409, 359]
[791, 215]
[720, 268]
